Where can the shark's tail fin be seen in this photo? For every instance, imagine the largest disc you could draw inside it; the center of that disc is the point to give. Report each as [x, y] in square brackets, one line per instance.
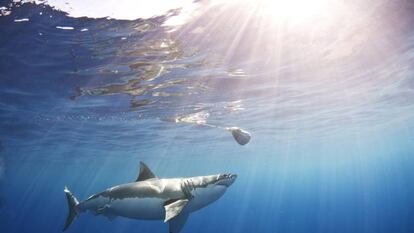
[72, 208]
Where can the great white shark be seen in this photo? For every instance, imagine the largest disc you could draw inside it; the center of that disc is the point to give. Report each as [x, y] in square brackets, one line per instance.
[153, 198]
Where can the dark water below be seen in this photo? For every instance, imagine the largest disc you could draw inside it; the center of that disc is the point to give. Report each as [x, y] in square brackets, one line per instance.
[329, 103]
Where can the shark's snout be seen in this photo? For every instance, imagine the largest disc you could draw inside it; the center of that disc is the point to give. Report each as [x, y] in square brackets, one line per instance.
[233, 177]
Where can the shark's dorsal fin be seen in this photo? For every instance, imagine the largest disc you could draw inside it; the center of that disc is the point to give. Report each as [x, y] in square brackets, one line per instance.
[174, 208]
[144, 173]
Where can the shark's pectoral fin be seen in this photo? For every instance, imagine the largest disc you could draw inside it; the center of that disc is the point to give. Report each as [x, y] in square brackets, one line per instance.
[178, 223]
[145, 173]
[174, 208]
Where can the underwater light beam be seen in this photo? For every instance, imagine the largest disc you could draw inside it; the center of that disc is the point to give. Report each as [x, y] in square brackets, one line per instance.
[293, 10]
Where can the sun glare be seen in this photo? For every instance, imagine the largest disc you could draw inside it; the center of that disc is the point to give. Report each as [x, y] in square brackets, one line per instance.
[292, 10]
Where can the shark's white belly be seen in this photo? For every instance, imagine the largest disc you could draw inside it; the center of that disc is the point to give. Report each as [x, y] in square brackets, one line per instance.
[204, 197]
[138, 208]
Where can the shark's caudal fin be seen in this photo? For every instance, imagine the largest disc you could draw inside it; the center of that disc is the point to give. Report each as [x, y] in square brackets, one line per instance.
[72, 208]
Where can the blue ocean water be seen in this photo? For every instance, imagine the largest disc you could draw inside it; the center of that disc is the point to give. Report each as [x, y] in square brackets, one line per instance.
[329, 104]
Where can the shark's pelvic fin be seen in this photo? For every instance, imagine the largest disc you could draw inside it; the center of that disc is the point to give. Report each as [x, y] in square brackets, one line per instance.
[172, 209]
[177, 224]
[104, 211]
[110, 216]
[144, 173]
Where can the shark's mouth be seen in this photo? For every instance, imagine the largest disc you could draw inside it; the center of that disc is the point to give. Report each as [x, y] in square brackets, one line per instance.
[226, 179]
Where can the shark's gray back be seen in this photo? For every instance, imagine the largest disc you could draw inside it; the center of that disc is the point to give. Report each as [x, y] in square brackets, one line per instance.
[154, 188]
